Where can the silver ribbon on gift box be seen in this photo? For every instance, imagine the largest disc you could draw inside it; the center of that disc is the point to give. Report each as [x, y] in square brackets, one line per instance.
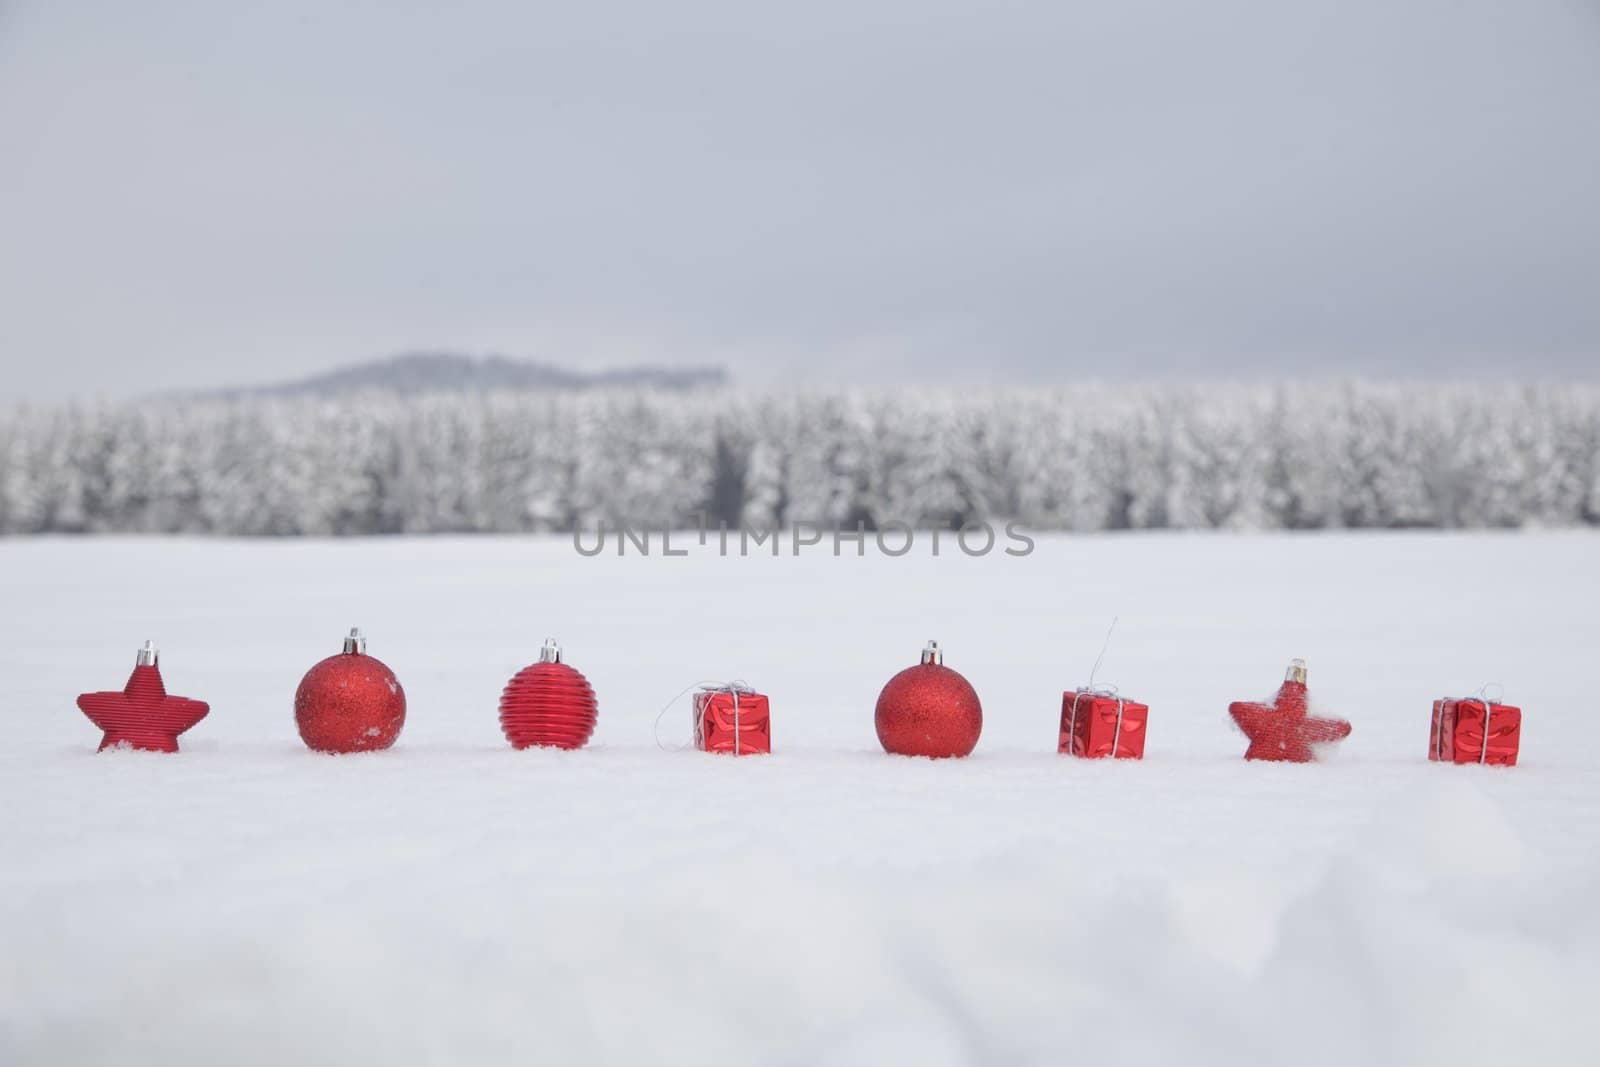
[1072, 718]
[1480, 697]
[733, 689]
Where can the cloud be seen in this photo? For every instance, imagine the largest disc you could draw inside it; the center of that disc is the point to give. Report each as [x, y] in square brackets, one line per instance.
[1016, 191]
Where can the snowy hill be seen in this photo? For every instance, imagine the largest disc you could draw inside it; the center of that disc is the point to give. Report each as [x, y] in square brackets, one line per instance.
[427, 372]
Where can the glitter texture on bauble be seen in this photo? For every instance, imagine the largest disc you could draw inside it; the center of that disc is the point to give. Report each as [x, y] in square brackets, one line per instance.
[929, 710]
[350, 702]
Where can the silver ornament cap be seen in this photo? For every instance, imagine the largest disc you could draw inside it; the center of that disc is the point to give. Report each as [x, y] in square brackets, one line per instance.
[1296, 671]
[356, 643]
[551, 652]
[149, 655]
[932, 653]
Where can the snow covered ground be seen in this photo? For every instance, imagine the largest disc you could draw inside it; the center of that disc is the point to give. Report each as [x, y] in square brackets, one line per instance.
[452, 900]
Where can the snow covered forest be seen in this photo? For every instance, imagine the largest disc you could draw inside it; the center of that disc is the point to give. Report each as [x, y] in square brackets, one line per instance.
[1109, 457]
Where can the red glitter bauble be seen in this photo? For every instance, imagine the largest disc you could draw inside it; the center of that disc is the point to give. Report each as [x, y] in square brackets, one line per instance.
[929, 710]
[350, 702]
[142, 715]
[548, 704]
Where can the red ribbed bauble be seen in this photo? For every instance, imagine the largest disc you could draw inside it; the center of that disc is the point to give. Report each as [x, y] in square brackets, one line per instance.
[929, 710]
[350, 702]
[548, 704]
[142, 715]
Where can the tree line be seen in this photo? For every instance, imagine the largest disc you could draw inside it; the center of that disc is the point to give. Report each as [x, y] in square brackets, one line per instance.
[1083, 457]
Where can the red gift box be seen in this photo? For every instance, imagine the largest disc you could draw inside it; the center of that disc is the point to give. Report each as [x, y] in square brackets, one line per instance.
[732, 719]
[1096, 724]
[1475, 731]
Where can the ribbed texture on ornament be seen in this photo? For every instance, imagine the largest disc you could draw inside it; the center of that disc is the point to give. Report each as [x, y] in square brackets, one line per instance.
[548, 704]
[142, 714]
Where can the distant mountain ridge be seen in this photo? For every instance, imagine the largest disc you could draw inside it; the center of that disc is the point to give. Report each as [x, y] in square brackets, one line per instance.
[441, 372]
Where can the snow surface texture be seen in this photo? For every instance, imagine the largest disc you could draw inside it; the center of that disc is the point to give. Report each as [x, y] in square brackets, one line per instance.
[451, 900]
[1081, 457]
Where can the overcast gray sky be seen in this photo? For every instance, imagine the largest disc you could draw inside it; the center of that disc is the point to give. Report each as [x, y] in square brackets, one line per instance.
[203, 193]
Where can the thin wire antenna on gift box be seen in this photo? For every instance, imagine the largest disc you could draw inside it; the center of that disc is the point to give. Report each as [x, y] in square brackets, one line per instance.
[679, 695]
[1103, 646]
[704, 683]
[1090, 690]
[1483, 693]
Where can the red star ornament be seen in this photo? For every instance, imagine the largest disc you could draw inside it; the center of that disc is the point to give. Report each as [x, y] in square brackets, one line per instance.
[142, 715]
[1282, 730]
